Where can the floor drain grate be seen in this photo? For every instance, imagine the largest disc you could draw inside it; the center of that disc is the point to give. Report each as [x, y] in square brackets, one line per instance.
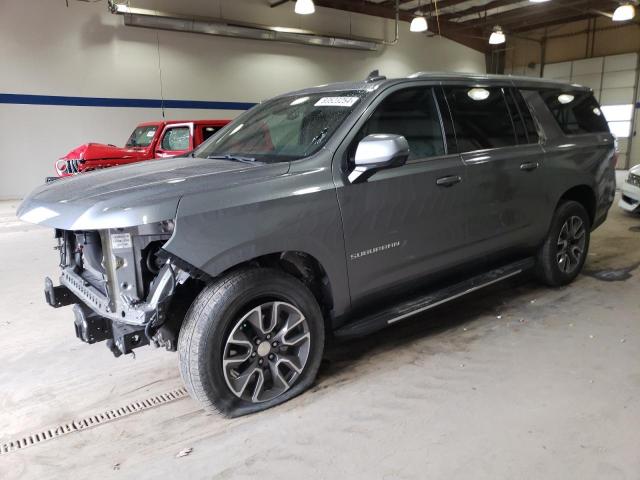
[91, 421]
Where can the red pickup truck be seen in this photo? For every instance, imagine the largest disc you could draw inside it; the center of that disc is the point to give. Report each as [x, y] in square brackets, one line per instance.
[148, 140]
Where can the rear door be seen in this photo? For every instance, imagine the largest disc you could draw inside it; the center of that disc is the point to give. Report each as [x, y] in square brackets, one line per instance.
[503, 166]
[176, 139]
[406, 222]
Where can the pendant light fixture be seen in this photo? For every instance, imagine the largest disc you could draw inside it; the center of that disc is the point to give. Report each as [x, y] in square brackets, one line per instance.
[304, 7]
[419, 23]
[624, 12]
[497, 36]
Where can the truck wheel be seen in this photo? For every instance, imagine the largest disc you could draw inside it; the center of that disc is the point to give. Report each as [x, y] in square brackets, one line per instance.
[251, 340]
[561, 257]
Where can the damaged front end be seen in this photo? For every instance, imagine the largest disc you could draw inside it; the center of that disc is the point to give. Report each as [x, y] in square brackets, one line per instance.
[122, 284]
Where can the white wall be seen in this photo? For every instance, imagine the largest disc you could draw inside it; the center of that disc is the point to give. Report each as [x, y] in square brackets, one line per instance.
[47, 48]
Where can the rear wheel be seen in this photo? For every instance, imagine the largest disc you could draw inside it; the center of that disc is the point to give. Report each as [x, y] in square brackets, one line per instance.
[562, 256]
[251, 340]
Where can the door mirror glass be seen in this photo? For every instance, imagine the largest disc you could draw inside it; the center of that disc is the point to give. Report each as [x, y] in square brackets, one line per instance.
[376, 152]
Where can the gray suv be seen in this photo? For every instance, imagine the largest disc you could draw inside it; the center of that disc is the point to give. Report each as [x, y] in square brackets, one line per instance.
[329, 212]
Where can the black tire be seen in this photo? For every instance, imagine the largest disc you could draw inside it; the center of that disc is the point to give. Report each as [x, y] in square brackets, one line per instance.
[214, 316]
[549, 269]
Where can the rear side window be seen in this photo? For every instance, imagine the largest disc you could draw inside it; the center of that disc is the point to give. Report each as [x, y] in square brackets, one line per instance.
[481, 118]
[523, 121]
[576, 111]
[412, 113]
[176, 139]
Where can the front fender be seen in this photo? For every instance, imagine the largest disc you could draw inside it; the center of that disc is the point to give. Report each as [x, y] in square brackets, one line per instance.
[297, 211]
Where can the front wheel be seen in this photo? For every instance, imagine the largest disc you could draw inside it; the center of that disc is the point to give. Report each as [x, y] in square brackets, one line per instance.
[251, 340]
[561, 258]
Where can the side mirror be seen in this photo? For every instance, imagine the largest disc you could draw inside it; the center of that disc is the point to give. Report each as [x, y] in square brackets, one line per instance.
[376, 152]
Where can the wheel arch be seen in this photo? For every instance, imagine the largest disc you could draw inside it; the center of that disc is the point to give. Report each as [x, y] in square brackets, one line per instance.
[302, 265]
[584, 195]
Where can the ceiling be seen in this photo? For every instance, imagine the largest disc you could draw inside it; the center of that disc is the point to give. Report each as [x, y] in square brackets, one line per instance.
[470, 21]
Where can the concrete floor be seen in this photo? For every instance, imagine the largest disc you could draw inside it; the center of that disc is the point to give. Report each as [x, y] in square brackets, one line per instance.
[518, 381]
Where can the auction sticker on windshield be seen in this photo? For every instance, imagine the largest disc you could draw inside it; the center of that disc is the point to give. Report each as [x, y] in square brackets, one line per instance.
[336, 102]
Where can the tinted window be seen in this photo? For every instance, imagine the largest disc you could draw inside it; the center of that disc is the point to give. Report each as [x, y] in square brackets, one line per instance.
[411, 113]
[176, 139]
[518, 121]
[480, 117]
[576, 111]
[445, 114]
[525, 111]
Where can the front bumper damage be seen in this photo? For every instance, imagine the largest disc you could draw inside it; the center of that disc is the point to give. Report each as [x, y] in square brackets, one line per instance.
[116, 298]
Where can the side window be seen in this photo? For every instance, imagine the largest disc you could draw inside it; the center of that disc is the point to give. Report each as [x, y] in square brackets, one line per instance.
[518, 121]
[480, 117]
[525, 111]
[412, 113]
[207, 131]
[176, 138]
[445, 115]
[575, 111]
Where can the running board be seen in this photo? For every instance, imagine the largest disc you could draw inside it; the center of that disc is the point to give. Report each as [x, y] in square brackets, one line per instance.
[380, 320]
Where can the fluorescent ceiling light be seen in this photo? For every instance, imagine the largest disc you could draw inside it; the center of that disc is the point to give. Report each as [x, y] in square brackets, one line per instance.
[497, 36]
[304, 7]
[538, 1]
[565, 98]
[419, 24]
[478, 94]
[624, 12]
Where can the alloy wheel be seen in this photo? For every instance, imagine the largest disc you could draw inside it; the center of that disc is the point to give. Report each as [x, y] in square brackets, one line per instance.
[266, 351]
[571, 244]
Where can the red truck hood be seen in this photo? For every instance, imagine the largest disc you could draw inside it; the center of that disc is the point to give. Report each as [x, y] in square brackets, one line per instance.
[99, 151]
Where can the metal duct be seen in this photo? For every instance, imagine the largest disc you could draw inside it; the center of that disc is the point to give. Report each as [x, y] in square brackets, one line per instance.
[140, 17]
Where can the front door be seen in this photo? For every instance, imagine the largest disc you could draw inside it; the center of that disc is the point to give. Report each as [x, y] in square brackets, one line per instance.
[403, 223]
[177, 139]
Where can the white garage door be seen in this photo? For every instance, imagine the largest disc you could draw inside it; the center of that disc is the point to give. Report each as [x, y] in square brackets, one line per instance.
[614, 80]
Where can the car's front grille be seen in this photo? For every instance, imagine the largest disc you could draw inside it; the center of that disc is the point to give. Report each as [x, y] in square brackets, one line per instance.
[73, 166]
[634, 179]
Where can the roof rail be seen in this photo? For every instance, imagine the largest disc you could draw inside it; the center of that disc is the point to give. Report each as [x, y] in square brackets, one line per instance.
[375, 77]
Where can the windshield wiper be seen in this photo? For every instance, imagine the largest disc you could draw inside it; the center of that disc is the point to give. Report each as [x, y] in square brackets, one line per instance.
[235, 158]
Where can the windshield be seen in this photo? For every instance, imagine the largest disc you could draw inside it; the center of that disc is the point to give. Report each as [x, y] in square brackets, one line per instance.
[284, 129]
[142, 136]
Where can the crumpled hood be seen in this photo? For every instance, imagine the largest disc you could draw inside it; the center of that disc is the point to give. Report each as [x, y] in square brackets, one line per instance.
[135, 194]
[100, 151]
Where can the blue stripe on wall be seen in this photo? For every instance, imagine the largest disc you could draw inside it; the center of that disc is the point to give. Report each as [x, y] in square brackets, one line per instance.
[20, 99]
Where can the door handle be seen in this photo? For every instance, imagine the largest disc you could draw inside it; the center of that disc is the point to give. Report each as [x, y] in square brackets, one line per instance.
[529, 166]
[448, 181]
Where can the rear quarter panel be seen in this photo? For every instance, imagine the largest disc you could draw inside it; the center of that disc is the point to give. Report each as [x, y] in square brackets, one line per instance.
[574, 160]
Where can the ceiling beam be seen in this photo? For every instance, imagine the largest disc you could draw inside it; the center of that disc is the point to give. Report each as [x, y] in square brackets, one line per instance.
[469, 38]
[566, 9]
[478, 9]
[539, 11]
[431, 5]
[553, 22]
